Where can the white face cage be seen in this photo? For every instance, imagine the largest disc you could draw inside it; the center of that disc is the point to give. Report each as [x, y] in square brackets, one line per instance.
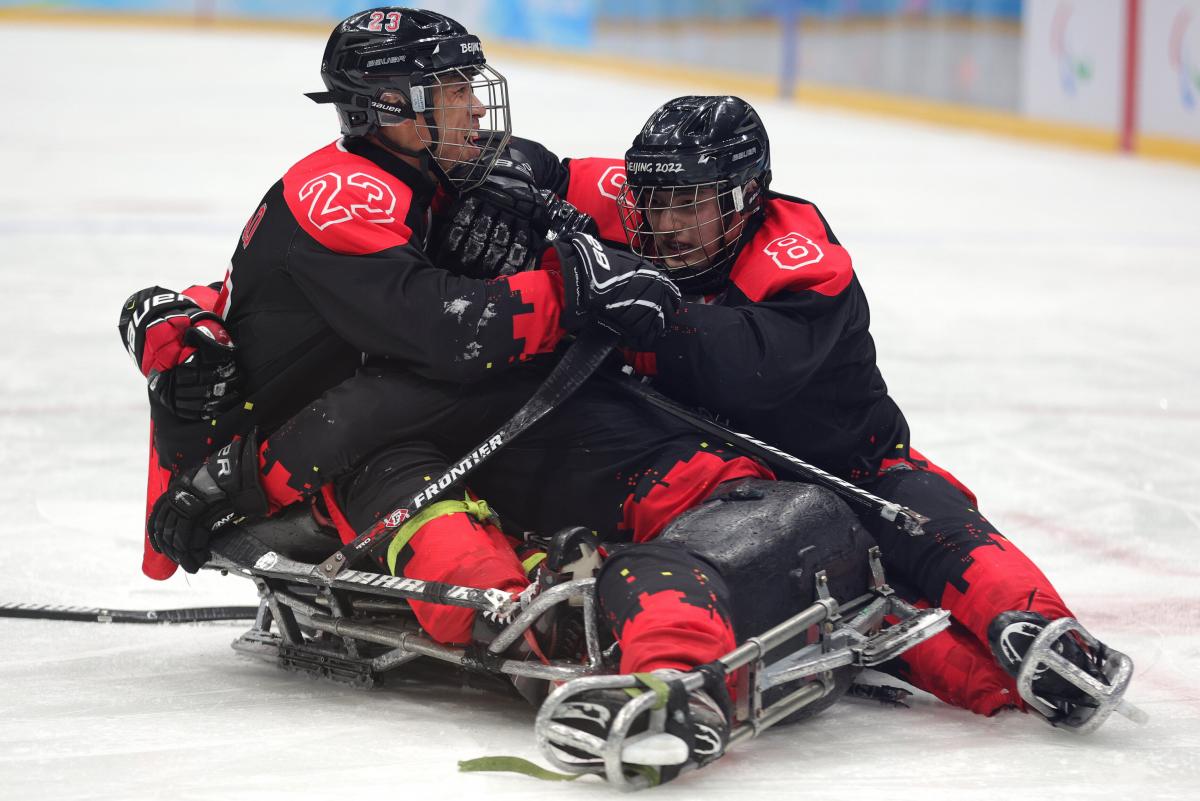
[690, 231]
[470, 108]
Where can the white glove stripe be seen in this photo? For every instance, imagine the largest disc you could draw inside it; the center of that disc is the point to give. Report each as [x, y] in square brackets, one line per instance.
[634, 302]
[639, 302]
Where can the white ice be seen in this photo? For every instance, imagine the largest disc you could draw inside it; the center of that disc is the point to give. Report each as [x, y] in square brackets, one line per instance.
[1035, 313]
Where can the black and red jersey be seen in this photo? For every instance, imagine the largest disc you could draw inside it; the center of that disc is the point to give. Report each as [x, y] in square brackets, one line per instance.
[332, 265]
[784, 352]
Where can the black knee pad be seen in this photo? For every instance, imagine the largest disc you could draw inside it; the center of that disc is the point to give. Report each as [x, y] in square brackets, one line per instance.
[768, 539]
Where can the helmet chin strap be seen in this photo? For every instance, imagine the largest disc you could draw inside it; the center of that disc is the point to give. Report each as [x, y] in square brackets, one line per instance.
[434, 165]
[427, 161]
[417, 104]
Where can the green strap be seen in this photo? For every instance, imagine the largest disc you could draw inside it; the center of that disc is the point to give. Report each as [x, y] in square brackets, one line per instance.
[477, 509]
[655, 685]
[533, 561]
[510, 764]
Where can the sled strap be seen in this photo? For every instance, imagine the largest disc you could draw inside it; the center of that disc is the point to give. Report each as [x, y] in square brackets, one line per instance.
[531, 562]
[512, 764]
[476, 509]
[655, 685]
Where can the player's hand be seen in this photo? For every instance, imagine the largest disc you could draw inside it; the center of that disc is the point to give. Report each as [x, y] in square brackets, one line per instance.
[499, 227]
[565, 219]
[206, 382]
[616, 288]
[224, 490]
[184, 520]
[184, 351]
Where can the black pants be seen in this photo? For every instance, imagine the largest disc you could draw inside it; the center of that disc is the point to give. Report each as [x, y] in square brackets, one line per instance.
[962, 563]
[600, 460]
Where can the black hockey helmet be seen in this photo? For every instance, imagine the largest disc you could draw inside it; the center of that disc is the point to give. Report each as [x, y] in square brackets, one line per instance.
[385, 66]
[695, 174]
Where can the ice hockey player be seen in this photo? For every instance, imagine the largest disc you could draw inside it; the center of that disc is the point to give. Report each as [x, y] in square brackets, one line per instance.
[332, 265]
[773, 335]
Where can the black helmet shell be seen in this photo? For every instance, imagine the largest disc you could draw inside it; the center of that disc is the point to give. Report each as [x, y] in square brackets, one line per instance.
[689, 146]
[389, 48]
[697, 140]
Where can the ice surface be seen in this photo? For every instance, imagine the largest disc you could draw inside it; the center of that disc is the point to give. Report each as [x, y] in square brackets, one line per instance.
[1035, 311]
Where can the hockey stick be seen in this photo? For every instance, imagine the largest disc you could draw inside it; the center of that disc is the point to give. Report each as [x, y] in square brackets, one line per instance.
[581, 360]
[907, 519]
[241, 552]
[92, 614]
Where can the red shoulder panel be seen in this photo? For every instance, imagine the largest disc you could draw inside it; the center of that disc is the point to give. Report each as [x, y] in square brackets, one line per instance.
[791, 253]
[348, 203]
[593, 189]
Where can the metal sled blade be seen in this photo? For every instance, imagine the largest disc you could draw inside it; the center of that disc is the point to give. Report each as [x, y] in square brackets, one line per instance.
[860, 651]
[847, 636]
[904, 635]
[1108, 698]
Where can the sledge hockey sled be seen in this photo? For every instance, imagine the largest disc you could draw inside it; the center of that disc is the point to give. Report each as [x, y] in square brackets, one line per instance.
[358, 627]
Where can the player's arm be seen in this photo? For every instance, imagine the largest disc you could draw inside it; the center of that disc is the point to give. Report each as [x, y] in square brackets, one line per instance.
[744, 358]
[588, 185]
[395, 303]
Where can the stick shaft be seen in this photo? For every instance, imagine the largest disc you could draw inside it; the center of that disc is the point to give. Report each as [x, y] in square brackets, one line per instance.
[579, 362]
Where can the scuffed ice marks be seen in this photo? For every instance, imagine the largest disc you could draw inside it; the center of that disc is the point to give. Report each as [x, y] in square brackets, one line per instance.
[489, 311]
[456, 308]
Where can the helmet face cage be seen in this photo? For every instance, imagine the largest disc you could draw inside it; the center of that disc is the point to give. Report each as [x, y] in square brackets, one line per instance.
[690, 231]
[696, 174]
[388, 66]
[461, 117]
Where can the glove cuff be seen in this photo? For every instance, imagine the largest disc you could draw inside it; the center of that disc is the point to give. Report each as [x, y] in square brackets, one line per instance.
[575, 313]
[235, 471]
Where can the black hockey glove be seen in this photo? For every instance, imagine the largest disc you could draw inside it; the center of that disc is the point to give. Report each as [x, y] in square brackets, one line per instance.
[565, 219]
[183, 350]
[616, 288]
[499, 227]
[204, 384]
[224, 490]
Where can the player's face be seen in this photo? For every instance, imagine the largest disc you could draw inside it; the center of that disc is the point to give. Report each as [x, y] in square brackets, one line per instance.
[687, 226]
[457, 111]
